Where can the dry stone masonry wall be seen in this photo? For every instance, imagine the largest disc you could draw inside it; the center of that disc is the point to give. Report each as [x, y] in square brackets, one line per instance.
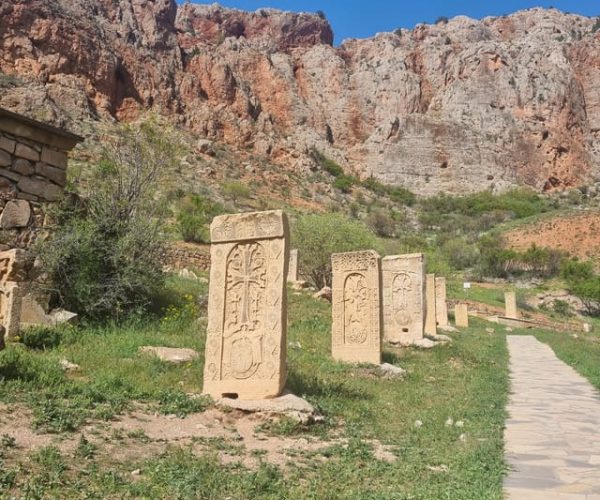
[33, 172]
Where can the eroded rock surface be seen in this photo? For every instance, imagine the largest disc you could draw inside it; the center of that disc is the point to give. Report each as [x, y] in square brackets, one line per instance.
[458, 106]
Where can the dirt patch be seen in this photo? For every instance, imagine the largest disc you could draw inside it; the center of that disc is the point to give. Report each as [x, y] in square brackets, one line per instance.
[578, 235]
[234, 435]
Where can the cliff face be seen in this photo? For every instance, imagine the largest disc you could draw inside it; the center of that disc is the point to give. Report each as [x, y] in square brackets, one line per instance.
[457, 107]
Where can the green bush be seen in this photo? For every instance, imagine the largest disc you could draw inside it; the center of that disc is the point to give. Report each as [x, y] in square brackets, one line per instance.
[236, 191]
[194, 217]
[327, 164]
[317, 236]
[460, 253]
[41, 337]
[583, 282]
[397, 194]
[105, 253]
[344, 183]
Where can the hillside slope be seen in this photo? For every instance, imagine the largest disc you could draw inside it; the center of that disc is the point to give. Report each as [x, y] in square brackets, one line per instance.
[456, 107]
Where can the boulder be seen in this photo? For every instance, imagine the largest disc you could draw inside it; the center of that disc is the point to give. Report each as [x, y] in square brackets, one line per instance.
[323, 293]
[16, 213]
[174, 355]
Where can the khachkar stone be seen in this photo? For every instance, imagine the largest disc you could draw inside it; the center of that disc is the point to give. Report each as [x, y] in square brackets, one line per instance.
[461, 315]
[430, 314]
[247, 316]
[510, 303]
[403, 298]
[292, 275]
[441, 308]
[356, 307]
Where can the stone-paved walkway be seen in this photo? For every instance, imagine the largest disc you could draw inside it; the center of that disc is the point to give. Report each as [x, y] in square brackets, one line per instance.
[552, 433]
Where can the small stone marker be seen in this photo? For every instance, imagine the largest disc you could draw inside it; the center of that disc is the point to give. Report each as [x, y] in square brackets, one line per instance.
[10, 308]
[403, 298]
[441, 307]
[292, 275]
[510, 302]
[461, 315]
[247, 316]
[430, 313]
[356, 309]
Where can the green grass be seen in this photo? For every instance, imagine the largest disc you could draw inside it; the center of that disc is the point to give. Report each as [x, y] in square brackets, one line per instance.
[466, 381]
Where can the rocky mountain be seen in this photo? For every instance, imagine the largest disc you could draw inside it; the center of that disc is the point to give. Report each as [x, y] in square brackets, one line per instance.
[459, 106]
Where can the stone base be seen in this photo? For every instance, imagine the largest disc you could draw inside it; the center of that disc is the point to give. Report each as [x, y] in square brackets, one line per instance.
[288, 404]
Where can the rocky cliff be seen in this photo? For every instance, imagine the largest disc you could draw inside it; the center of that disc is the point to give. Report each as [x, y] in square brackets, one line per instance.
[459, 106]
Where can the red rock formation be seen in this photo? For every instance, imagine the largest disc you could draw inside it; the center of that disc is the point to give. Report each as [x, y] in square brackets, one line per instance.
[458, 106]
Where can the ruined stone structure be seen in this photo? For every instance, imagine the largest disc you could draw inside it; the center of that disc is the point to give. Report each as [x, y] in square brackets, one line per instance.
[403, 293]
[461, 315]
[356, 307]
[247, 316]
[292, 276]
[430, 314]
[510, 304]
[441, 306]
[33, 172]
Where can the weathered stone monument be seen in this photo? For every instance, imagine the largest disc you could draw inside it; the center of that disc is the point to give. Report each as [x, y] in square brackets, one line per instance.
[441, 307]
[11, 273]
[403, 298]
[461, 315]
[292, 276]
[247, 316]
[430, 314]
[356, 309]
[510, 303]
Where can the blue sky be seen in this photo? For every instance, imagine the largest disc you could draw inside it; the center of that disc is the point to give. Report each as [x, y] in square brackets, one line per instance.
[361, 19]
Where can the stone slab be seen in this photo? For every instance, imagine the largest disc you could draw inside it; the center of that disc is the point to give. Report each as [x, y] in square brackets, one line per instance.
[287, 404]
[461, 315]
[430, 306]
[176, 355]
[16, 214]
[356, 307]
[403, 296]
[247, 309]
[510, 303]
[441, 305]
[292, 276]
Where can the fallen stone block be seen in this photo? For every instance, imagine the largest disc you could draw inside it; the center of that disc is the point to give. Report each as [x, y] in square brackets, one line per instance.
[174, 355]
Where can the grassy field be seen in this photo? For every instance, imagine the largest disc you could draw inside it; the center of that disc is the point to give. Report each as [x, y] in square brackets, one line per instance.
[465, 381]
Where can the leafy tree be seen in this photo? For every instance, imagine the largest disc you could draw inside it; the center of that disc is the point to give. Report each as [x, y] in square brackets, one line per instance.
[195, 214]
[317, 236]
[105, 253]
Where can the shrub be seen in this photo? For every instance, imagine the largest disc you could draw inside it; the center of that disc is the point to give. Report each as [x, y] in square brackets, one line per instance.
[41, 337]
[397, 194]
[194, 216]
[442, 20]
[104, 255]
[327, 164]
[583, 282]
[381, 223]
[596, 25]
[317, 236]
[460, 253]
[344, 183]
[236, 191]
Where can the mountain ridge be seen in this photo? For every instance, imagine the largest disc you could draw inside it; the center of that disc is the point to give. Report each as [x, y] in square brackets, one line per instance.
[458, 107]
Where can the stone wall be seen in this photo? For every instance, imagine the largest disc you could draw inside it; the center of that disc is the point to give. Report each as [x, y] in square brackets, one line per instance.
[33, 171]
[187, 256]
